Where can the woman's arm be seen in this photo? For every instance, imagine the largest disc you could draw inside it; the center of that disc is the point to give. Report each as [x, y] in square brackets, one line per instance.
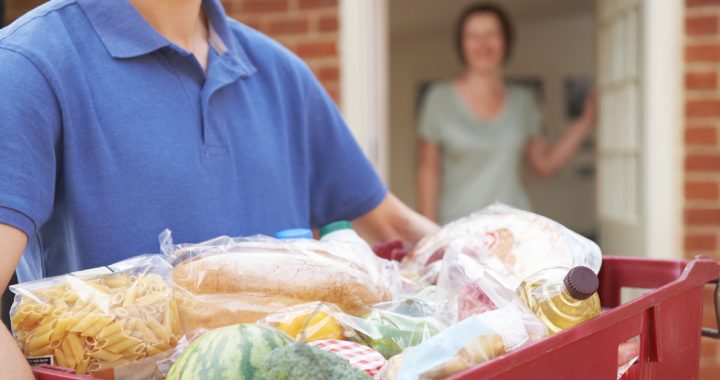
[546, 159]
[12, 361]
[428, 179]
[392, 219]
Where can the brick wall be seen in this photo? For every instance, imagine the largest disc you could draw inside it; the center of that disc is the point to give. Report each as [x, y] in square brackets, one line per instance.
[307, 27]
[702, 161]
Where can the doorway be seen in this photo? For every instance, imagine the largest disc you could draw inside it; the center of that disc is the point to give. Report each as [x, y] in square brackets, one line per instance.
[554, 55]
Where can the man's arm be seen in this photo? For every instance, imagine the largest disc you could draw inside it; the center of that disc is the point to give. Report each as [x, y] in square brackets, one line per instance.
[12, 362]
[392, 219]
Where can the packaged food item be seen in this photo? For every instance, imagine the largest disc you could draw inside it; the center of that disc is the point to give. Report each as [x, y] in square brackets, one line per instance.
[352, 246]
[561, 297]
[231, 352]
[513, 243]
[359, 356]
[311, 321]
[98, 320]
[467, 287]
[225, 281]
[390, 333]
[464, 345]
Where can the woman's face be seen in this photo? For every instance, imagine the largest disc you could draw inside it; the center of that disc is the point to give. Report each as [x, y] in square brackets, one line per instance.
[482, 44]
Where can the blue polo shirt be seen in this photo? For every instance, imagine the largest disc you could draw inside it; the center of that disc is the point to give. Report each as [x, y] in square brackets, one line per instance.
[109, 133]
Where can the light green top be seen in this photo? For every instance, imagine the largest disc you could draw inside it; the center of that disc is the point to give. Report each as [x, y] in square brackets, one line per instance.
[481, 160]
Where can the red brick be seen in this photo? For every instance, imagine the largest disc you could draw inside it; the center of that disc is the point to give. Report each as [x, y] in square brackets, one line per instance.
[702, 108]
[702, 162]
[698, 217]
[701, 136]
[328, 24]
[700, 242]
[693, 3]
[315, 4]
[701, 25]
[701, 80]
[328, 74]
[317, 49]
[703, 53]
[297, 26]
[708, 349]
[263, 6]
[710, 373]
[701, 190]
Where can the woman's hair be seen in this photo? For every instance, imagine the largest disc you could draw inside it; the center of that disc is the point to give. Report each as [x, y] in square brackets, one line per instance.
[506, 27]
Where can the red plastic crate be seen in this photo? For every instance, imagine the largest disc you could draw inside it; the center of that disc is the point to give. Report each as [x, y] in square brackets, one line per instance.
[51, 372]
[668, 320]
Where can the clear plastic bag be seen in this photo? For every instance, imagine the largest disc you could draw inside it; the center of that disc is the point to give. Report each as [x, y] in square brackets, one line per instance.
[390, 333]
[226, 280]
[464, 345]
[466, 287]
[111, 321]
[312, 321]
[512, 242]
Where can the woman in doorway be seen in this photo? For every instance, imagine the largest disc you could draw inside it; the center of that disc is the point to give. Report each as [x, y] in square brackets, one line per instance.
[476, 129]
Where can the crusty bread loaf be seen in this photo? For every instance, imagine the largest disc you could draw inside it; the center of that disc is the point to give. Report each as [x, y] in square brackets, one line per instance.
[218, 289]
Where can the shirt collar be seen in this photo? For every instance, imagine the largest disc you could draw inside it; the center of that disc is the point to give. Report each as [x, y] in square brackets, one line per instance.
[126, 34]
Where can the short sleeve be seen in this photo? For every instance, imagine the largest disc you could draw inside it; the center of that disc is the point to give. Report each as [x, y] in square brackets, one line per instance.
[29, 127]
[533, 119]
[343, 183]
[428, 117]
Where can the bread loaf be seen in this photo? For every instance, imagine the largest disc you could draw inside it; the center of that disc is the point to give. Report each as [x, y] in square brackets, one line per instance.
[219, 288]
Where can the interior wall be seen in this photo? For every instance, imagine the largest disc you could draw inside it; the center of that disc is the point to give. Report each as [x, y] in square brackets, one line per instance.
[551, 47]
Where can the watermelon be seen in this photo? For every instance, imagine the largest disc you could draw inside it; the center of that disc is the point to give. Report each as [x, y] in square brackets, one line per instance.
[228, 353]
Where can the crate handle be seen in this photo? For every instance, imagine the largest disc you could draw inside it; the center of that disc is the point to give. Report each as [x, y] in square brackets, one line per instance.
[714, 333]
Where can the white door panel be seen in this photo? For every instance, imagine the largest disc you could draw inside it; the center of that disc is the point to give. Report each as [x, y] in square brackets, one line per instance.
[620, 147]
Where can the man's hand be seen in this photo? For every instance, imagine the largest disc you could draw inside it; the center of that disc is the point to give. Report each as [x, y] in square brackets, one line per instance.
[392, 219]
[12, 362]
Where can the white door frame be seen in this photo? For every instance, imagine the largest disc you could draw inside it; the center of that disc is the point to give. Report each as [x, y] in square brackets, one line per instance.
[663, 125]
[364, 66]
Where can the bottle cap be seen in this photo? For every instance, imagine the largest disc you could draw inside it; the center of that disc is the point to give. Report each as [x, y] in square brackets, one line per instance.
[295, 233]
[335, 226]
[581, 282]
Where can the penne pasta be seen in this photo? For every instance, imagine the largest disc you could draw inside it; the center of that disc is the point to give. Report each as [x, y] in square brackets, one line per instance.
[97, 366]
[105, 355]
[124, 344]
[98, 324]
[60, 358]
[38, 341]
[150, 299]
[69, 354]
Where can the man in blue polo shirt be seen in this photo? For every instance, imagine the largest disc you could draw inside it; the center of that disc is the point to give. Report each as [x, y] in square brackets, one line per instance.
[120, 118]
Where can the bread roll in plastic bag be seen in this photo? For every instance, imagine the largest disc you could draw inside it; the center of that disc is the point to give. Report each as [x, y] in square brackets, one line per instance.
[512, 242]
[464, 345]
[226, 281]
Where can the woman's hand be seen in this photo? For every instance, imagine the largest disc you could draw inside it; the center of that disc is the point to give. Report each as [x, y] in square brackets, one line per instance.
[589, 115]
[545, 160]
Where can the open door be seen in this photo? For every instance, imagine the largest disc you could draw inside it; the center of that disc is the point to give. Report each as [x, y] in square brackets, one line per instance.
[639, 137]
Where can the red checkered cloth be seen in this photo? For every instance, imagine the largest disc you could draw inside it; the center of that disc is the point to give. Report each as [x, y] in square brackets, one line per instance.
[361, 357]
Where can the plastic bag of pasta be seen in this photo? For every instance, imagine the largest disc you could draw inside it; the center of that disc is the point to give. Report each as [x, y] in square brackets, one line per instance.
[99, 320]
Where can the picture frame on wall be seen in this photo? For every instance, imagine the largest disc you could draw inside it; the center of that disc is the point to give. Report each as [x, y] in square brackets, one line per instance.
[576, 89]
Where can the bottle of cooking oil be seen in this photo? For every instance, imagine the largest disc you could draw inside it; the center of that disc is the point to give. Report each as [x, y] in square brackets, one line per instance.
[561, 297]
